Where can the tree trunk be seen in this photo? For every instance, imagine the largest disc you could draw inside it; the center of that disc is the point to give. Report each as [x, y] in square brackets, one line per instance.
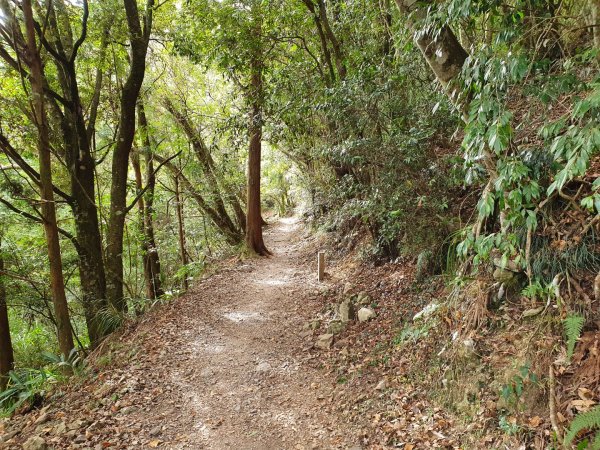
[181, 230]
[323, 39]
[254, 236]
[6, 351]
[335, 43]
[595, 10]
[442, 51]
[61, 311]
[80, 163]
[81, 167]
[138, 38]
[388, 37]
[149, 250]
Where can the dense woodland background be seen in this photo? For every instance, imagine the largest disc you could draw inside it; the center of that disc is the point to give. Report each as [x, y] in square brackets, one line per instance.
[458, 135]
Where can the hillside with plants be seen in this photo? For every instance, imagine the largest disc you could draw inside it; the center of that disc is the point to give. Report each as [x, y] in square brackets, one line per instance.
[170, 170]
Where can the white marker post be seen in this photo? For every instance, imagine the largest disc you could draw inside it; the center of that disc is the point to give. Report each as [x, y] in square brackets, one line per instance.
[321, 266]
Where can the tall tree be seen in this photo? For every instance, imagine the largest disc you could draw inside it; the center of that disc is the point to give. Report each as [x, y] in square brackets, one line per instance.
[139, 38]
[71, 135]
[150, 256]
[61, 310]
[7, 358]
[255, 95]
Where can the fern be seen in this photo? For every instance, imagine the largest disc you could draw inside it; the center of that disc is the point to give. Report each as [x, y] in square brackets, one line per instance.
[573, 326]
[585, 421]
[596, 442]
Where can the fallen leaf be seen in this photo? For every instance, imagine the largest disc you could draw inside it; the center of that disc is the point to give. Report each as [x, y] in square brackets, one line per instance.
[534, 422]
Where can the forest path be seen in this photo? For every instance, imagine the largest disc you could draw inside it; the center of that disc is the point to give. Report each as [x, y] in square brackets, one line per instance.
[231, 360]
[225, 366]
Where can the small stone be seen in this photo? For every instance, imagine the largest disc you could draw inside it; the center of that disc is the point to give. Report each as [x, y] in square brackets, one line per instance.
[128, 409]
[467, 349]
[80, 439]
[425, 265]
[347, 288]
[363, 299]
[347, 311]
[503, 275]
[35, 443]
[314, 324]
[156, 431]
[75, 425]
[426, 312]
[507, 265]
[381, 385]
[42, 419]
[365, 314]
[324, 341]
[336, 327]
[60, 428]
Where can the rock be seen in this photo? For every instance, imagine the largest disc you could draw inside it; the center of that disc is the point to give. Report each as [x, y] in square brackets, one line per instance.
[75, 425]
[363, 299]
[80, 439]
[156, 431]
[347, 288]
[312, 325]
[128, 409]
[425, 265]
[42, 419]
[8, 436]
[35, 443]
[346, 310]
[365, 314]
[510, 265]
[341, 343]
[381, 385]
[503, 275]
[324, 341]
[426, 312]
[59, 428]
[104, 391]
[467, 349]
[336, 327]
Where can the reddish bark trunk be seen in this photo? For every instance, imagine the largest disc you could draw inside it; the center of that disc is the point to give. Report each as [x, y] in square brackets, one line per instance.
[61, 311]
[254, 236]
[6, 351]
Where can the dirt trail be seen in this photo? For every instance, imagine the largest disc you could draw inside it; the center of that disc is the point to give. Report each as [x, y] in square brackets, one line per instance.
[235, 366]
[223, 367]
[244, 385]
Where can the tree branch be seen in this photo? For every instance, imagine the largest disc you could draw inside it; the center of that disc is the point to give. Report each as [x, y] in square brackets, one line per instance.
[143, 191]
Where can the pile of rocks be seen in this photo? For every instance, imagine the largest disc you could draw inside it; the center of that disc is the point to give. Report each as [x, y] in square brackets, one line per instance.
[352, 308]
